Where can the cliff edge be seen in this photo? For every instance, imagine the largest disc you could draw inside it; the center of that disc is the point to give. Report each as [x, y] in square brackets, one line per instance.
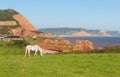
[13, 23]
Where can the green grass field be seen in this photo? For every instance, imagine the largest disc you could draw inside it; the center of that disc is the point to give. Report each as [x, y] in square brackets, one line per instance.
[13, 63]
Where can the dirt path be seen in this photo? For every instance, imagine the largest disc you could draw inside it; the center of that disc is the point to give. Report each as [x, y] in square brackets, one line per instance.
[50, 52]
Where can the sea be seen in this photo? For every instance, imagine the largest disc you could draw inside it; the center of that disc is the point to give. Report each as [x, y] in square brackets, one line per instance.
[98, 42]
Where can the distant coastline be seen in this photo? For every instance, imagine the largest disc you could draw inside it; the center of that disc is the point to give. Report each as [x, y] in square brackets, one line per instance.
[79, 32]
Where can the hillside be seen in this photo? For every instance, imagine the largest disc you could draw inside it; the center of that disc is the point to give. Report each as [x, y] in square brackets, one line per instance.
[6, 15]
[79, 32]
[13, 23]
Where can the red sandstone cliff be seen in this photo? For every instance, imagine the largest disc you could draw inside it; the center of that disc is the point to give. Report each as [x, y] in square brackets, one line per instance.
[24, 23]
[25, 28]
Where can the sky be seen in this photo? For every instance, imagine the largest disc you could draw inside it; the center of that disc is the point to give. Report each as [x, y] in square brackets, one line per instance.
[88, 14]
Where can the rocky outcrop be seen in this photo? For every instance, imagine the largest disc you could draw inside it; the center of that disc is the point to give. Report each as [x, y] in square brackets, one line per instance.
[54, 44]
[83, 45]
[63, 45]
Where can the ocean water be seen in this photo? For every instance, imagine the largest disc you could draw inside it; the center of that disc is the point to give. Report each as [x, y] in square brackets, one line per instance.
[98, 42]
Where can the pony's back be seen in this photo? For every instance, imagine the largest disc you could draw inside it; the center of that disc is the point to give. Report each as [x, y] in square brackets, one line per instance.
[33, 48]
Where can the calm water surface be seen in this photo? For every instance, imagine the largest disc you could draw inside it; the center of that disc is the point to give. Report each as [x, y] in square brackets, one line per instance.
[98, 42]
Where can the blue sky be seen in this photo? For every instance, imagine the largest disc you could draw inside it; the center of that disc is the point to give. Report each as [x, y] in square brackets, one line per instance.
[89, 14]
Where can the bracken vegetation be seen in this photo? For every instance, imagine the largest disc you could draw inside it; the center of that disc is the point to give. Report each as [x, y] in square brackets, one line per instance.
[6, 15]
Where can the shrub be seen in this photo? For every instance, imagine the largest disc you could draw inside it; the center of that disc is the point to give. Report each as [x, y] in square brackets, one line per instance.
[113, 49]
[13, 43]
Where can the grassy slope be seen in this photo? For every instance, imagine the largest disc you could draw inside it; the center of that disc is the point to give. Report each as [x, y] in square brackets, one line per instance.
[6, 15]
[14, 64]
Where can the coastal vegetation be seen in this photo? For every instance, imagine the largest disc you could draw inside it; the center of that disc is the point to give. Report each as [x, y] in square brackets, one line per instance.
[95, 63]
[6, 15]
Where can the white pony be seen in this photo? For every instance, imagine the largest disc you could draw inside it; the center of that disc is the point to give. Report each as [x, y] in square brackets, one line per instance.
[34, 48]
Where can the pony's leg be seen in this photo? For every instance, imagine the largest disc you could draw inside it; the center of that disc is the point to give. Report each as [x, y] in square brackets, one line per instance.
[29, 53]
[41, 53]
[26, 52]
[35, 53]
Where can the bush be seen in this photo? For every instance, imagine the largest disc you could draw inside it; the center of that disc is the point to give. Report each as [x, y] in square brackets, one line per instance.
[13, 43]
[113, 49]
